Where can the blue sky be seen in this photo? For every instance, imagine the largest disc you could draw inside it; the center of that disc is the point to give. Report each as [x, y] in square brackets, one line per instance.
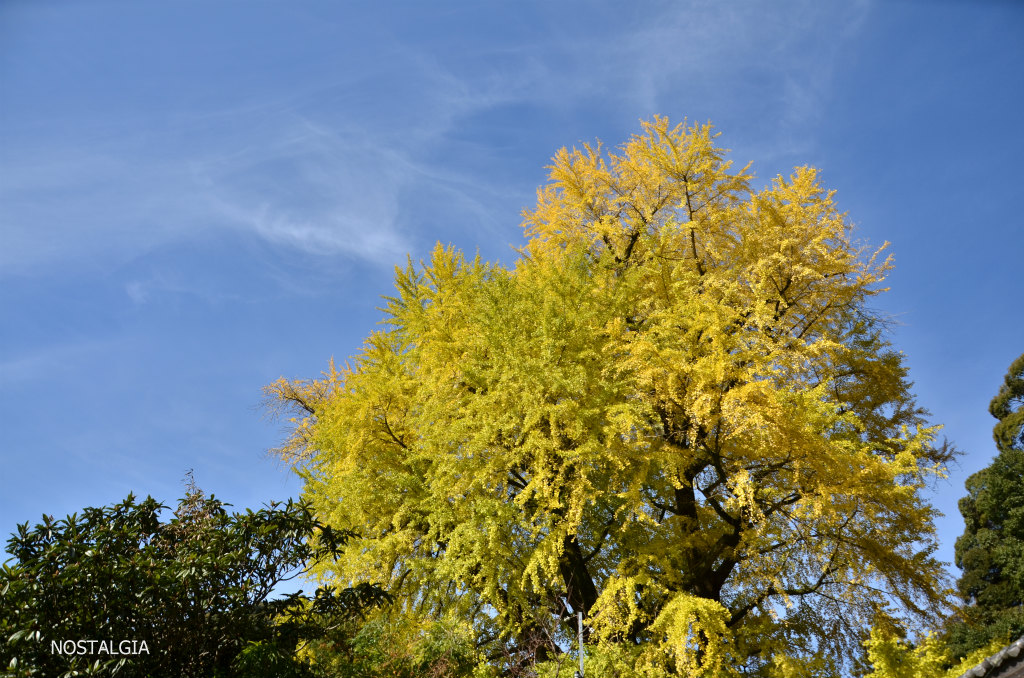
[197, 198]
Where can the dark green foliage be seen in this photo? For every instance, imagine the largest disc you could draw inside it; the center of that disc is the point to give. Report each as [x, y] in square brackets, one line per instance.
[991, 550]
[265, 659]
[1008, 408]
[195, 589]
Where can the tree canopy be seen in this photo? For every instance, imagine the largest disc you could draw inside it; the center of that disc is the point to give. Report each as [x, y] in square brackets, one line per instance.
[990, 552]
[676, 413]
[186, 597]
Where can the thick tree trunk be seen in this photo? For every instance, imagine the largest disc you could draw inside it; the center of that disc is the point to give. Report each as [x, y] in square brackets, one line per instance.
[580, 590]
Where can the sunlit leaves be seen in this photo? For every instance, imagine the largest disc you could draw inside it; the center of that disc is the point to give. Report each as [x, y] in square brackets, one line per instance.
[675, 413]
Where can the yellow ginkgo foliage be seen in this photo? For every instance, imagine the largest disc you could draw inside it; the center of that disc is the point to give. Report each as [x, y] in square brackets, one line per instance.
[676, 413]
[891, 656]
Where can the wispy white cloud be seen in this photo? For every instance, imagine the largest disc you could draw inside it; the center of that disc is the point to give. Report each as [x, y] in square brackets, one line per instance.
[293, 178]
[312, 189]
[328, 166]
[49, 362]
[89, 206]
[155, 286]
[768, 63]
[138, 291]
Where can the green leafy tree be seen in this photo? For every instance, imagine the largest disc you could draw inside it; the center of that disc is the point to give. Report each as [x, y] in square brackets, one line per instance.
[676, 414]
[991, 550]
[194, 590]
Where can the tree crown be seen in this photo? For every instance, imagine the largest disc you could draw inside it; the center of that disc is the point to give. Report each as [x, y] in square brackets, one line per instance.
[675, 413]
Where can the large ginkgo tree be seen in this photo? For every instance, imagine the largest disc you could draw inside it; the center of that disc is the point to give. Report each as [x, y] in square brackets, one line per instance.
[676, 414]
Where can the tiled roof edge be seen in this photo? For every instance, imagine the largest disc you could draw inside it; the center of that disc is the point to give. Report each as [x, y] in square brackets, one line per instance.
[1012, 651]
